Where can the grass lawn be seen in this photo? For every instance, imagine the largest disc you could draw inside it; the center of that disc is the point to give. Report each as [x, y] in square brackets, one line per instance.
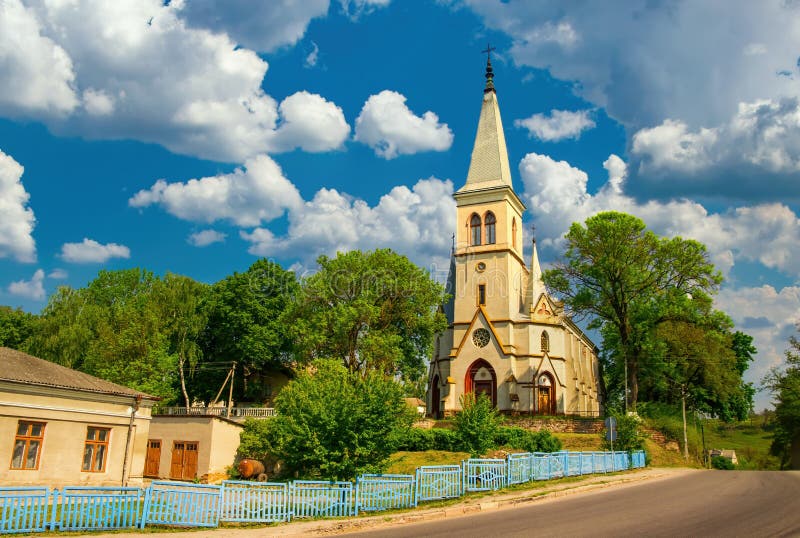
[407, 462]
[583, 442]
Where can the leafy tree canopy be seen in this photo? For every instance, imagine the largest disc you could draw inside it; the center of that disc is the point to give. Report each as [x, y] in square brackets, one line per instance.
[374, 311]
[16, 327]
[627, 280]
[785, 386]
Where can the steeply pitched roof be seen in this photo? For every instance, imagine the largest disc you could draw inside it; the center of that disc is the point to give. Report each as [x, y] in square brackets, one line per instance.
[19, 367]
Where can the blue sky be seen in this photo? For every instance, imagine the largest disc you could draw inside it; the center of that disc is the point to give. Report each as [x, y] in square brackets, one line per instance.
[195, 137]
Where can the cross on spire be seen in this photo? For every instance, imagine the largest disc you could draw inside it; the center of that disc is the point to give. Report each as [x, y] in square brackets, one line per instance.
[533, 232]
[489, 73]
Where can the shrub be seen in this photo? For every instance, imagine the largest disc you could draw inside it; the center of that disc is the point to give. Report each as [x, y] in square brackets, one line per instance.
[629, 435]
[417, 440]
[529, 441]
[446, 440]
[334, 424]
[476, 425]
[722, 463]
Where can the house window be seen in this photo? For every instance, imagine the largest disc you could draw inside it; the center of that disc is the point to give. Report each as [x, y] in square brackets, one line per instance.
[490, 221]
[475, 230]
[95, 449]
[545, 342]
[482, 294]
[27, 445]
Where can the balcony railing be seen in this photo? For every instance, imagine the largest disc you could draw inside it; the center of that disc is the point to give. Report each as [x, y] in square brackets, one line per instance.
[236, 412]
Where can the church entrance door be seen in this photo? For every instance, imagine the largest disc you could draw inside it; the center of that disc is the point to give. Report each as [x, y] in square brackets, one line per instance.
[436, 398]
[481, 379]
[546, 402]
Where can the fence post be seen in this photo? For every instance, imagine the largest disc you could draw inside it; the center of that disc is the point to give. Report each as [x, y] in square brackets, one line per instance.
[53, 523]
[146, 507]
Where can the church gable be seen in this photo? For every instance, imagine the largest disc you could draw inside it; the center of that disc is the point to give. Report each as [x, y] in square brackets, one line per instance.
[481, 334]
[544, 309]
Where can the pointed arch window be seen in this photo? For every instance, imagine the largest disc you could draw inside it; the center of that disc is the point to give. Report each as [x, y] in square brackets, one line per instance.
[475, 230]
[489, 223]
[545, 342]
[514, 233]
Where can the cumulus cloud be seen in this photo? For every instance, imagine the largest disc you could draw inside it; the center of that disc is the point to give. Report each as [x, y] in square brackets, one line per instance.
[649, 61]
[248, 196]
[778, 312]
[559, 125]
[557, 195]
[90, 251]
[763, 137]
[388, 126]
[37, 74]
[416, 222]
[16, 218]
[135, 69]
[355, 9]
[283, 23]
[206, 237]
[29, 289]
[58, 274]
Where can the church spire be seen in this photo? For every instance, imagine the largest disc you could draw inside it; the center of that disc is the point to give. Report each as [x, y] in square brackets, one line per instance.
[489, 167]
[535, 283]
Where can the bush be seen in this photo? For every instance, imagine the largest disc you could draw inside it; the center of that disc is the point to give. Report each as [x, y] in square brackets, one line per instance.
[334, 424]
[417, 440]
[724, 464]
[477, 423]
[629, 436]
[529, 441]
[446, 440]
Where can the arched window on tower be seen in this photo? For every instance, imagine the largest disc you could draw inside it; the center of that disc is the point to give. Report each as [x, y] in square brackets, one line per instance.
[489, 222]
[475, 230]
[514, 233]
[545, 342]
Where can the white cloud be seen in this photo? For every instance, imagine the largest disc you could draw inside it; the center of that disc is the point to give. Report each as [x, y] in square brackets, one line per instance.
[30, 289]
[206, 237]
[388, 126]
[263, 28]
[557, 196]
[16, 218]
[769, 316]
[142, 73]
[90, 251]
[355, 9]
[248, 196]
[560, 125]
[416, 222]
[313, 57]
[58, 274]
[37, 74]
[646, 62]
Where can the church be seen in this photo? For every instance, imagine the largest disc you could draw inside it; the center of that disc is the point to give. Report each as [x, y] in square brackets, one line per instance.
[507, 337]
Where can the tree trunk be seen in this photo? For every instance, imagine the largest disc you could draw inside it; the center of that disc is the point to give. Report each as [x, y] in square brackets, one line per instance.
[685, 437]
[181, 363]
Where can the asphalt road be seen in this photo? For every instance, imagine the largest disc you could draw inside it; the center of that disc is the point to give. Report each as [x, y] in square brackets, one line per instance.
[712, 503]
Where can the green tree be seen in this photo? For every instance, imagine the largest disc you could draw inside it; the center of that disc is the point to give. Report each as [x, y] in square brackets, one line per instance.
[785, 386]
[476, 425]
[179, 301]
[16, 326]
[245, 326]
[626, 280]
[334, 424]
[374, 311]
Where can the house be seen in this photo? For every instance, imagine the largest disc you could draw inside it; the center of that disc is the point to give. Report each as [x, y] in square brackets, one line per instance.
[62, 427]
[507, 337]
[191, 447]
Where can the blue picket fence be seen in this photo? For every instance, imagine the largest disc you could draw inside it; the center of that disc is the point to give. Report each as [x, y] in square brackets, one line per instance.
[439, 482]
[24, 509]
[37, 509]
[97, 508]
[383, 492]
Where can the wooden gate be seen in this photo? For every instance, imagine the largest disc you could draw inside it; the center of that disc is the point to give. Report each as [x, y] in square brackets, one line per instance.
[184, 460]
[152, 462]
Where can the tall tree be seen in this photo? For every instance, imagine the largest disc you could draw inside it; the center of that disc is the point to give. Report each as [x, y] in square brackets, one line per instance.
[626, 279]
[16, 326]
[180, 302]
[374, 311]
[245, 326]
[785, 387]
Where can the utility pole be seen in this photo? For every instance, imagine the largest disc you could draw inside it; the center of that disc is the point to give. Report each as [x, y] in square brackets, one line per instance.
[685, 437]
